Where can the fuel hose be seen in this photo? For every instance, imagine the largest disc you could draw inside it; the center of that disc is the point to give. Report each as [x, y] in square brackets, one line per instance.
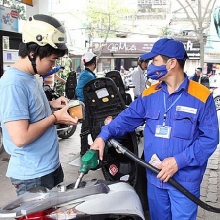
[132, 156]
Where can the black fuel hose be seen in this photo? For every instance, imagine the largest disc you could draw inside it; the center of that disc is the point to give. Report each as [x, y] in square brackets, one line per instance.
[173, 182]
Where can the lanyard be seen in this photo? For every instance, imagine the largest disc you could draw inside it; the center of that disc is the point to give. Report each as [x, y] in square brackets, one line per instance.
[167, 109]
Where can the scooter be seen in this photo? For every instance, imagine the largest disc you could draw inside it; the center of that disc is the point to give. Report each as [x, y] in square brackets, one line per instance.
[106, 96]
[92, 200]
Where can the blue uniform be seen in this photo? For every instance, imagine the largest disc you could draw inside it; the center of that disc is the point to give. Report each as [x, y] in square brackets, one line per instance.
[194, 135]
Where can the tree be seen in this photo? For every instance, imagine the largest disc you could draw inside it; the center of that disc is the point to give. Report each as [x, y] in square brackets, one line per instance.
[104, 19]
[200, 17]
[165, 32]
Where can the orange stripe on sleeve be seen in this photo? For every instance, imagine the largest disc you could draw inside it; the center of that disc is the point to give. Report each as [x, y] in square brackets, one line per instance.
[152, 89]
[198, 91]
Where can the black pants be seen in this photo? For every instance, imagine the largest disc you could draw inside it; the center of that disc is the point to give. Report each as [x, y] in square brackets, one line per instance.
[84, 135]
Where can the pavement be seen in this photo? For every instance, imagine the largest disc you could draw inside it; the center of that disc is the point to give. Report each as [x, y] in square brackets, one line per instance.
[69, 157]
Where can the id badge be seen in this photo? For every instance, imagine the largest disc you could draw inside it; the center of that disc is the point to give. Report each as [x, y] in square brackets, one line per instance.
[163, 131]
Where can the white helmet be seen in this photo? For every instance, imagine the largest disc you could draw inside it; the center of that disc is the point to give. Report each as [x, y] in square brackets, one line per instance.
[88, 56]
[44, 29]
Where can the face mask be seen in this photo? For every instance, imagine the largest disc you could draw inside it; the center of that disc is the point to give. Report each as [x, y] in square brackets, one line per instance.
[156, 72]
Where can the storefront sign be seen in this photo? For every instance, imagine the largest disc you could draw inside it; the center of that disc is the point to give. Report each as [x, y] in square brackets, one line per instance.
[9, 19]
[192, 48]
[123, 47]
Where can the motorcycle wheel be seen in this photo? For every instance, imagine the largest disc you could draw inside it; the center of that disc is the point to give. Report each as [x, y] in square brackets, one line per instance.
[68, 133]
[1, 141]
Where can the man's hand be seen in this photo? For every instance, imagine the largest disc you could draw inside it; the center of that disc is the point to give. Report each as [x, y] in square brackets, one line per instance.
[63, 117]
[59, 103]
[99, 145]
[168, 168]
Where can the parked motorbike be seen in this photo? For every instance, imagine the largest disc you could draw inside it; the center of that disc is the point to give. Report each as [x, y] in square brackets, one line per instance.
[106, 96]
[63, 131]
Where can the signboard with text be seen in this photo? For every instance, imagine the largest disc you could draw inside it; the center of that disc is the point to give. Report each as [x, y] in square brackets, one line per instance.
[9, 19]
[192, 48]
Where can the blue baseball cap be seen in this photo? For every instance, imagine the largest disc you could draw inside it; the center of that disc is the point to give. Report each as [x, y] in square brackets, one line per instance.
[167, 47]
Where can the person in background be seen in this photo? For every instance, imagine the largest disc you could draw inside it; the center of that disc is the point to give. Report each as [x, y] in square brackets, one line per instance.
[122, 69]
[78, 71]
[139, 78]
[89, 60]
[27, 121]
[181, 130]
[50, 77]
[197, 75]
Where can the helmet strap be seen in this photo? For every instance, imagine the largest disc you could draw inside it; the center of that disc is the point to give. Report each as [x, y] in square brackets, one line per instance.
[33, 60]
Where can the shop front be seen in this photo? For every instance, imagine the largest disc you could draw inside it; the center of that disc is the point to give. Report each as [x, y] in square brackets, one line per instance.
[124, 52]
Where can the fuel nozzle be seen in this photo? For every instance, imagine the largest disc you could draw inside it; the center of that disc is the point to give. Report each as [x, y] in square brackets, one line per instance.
[89, 161]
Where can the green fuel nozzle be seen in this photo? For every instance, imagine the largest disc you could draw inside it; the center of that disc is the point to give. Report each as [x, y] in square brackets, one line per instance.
[89, 161]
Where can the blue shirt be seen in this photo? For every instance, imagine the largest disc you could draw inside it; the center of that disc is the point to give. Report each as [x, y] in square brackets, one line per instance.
[22, 97]
[84, 77]
[194, 129]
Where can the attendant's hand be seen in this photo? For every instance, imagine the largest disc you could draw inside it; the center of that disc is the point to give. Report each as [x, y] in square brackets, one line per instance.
[99, 145]
[168, 168]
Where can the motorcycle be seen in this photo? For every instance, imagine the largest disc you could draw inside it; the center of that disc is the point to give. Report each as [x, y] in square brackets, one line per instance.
[106, 96]
[87, 200]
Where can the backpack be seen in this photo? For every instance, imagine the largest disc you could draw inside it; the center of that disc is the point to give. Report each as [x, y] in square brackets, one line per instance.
[70, 87]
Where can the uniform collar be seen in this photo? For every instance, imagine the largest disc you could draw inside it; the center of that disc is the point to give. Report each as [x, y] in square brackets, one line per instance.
[183, 86]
